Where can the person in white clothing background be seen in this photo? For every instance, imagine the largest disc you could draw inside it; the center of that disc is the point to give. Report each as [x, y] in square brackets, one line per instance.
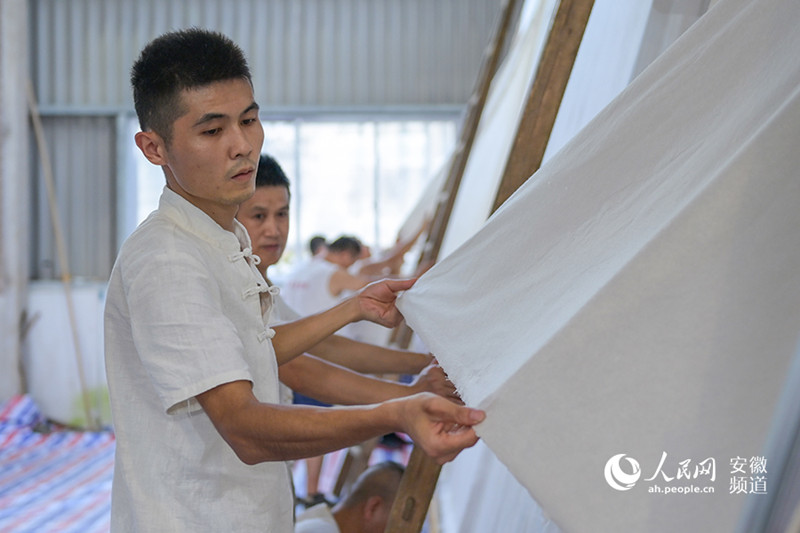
[314, 285]
[266, 217]
[321, 281]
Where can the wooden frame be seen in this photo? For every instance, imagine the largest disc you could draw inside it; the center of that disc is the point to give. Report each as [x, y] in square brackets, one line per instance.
[533, 133]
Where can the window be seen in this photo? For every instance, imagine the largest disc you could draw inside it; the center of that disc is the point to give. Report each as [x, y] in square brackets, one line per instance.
[357, 177]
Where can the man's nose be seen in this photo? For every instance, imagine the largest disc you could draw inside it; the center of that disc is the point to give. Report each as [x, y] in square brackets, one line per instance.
[269, 226]
[241, 144]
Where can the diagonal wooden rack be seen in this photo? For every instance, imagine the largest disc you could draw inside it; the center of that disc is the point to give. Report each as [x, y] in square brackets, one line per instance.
[356, 459]
[458, 160]
[533, 133]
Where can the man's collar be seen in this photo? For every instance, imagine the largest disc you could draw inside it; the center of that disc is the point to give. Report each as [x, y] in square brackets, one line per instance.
[195, 220]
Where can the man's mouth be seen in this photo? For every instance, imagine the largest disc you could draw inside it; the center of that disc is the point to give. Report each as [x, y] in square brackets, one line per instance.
[243, 174]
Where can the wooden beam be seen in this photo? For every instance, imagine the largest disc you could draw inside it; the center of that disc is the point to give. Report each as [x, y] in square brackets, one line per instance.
[419, 481]
[544, 97]
[356, 460]
[458, 160]
[533, 133]
[469, 129]
[414, 494]
[401, 335]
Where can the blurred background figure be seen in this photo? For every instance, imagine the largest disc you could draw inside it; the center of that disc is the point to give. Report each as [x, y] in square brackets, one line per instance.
[365, 509]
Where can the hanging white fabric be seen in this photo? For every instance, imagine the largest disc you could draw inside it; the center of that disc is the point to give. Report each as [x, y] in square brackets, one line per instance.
[628, 316]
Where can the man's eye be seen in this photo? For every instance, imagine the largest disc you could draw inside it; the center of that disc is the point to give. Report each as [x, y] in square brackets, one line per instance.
[249, 121]
[213, 131]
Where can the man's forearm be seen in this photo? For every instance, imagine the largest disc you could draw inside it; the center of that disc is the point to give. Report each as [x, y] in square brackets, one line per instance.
[369, 358]
[311, 431]
[259, 432]
[331, 383]
[293, 338]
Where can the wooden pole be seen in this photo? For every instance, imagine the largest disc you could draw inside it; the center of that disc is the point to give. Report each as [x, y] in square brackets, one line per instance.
[544, 97]
[458, 160]
[414, 494]
[419, 481]
[533, 133]
[355, 461]
[61, 249]
[468, 131]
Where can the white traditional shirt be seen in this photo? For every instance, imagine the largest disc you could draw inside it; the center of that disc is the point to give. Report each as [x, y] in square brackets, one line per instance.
[184, 315]
[317, 519]
[307, 288]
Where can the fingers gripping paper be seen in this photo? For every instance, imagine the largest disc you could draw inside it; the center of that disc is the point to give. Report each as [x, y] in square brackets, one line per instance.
[640, 294]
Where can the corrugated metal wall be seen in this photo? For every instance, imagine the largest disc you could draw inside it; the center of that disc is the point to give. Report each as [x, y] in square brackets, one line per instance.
[83, 158]
[302, 52]
[304, 55]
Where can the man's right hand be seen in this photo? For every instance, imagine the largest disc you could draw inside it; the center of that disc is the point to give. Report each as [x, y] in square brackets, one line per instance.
[376, 301]
[433, 379]
[440, 427]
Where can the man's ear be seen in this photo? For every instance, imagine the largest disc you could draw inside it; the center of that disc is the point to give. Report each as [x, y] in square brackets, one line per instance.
[372, 507]
[152, 146]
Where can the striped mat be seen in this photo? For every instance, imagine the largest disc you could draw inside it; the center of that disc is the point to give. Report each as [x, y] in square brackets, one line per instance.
[57, 481]
[60, 481]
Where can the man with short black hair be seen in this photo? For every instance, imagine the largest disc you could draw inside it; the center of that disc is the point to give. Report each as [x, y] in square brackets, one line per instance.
[317, 245]
[191, 362]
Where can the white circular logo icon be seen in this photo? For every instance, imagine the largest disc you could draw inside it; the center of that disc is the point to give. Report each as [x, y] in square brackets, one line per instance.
[619, 479]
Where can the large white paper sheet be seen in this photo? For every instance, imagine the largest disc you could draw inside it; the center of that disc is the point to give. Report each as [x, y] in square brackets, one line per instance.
[498, 125]
[640, 295]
